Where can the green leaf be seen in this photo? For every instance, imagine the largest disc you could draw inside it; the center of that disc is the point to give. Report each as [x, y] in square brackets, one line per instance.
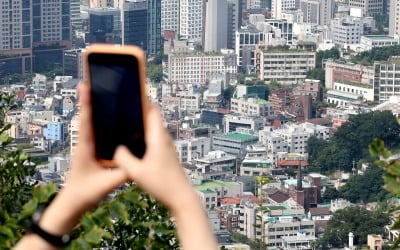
[44, 193]
[29, 208]
[132, 197]
[96, 234]
[392, 184]
[120, 210]
[7, 231]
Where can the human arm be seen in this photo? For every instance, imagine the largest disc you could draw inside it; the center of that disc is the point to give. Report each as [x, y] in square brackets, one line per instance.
[160, 174]
[87, 183]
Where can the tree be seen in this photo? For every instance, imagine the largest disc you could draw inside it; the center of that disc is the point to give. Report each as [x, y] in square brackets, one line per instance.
[357, 220]
[351, 140]
[228, 93]
[330, 193]
[317, 74]
[376, 54]
[322, 55]
[366, 188]
[273, 85]
[155, 72]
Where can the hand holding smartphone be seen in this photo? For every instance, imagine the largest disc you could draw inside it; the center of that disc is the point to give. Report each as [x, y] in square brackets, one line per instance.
[116, 75]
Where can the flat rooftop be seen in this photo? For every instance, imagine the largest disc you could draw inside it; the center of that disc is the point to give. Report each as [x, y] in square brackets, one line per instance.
[207, 186]
[379, 37]
[239, 137]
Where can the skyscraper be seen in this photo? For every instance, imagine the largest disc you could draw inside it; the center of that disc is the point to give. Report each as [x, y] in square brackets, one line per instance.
[154, 35]
[394, 18]
[216, 28]
[170, 15]
[135, 23]
[192, 19]
[234, 20]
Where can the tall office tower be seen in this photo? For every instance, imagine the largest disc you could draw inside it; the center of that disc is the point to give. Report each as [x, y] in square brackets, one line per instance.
[394, 17]
[234, 21]
[216, 28]
[326, 11]
[277, 6]
[51, 20]
[170, 15]
[191, 23]
[135, 23]
[105, 25]
[265, 4]
[76, 19]
[317, 11]
[155, 41]
[15, 25]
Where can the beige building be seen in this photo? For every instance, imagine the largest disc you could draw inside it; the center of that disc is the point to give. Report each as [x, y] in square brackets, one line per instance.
[284, 65]
[394, 18]
[252, 107]
[73, 130]
[198, 68]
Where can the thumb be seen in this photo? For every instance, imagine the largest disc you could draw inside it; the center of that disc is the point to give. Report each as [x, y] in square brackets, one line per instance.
[126, 161]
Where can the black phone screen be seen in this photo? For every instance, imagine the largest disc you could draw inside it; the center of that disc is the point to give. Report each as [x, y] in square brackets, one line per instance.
[116, 103]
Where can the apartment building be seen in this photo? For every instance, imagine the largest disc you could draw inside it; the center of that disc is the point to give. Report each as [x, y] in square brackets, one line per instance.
[387, 79]
[369, 7]
[184, 101]
[170, 15]
[216, 165]
[257, 162]
[347, 30]
[279, 6]
[284, 65]
[191, 23]
[252, 107]
[394, 18]
[318, 12]
[342, 71]
[193, 148]
[217, 189]
[198, 68]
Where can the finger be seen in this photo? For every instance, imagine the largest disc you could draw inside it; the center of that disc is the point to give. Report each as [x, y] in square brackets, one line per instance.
[110, 179]
[156, 133]
[127, 162]
[85, 127]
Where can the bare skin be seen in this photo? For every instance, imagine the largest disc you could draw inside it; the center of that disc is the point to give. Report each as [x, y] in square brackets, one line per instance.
[159, 173]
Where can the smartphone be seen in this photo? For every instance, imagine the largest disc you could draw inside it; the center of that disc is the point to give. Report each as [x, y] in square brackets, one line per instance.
[116, 75]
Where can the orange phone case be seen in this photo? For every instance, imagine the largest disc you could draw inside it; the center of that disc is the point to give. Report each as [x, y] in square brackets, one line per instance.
[120, 50]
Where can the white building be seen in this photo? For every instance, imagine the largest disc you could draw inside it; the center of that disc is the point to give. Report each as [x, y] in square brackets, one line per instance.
[234, 121]
[341, 98]
[191, 23]
[216, 25]
[198, 68]
[252, 107]
[368, 7]
[278, 6]
[318, 12]
[191, 149]
[347, 30]
[366, 90]
[387, 79]
[370, 42]
[394, 18]
[170, 15]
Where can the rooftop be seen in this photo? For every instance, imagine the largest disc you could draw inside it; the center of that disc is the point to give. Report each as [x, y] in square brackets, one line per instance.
[209, 186]
[239, 137]
[379, 37]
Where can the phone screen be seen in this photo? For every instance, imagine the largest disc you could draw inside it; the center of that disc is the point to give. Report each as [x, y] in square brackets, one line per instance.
[116, 104]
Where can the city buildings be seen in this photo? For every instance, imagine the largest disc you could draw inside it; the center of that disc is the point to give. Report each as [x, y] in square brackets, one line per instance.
[369, 42]
[368, 7]
[191, 149]
[283, 65]
[318, 12]
[155, 41]
[170, 16]
[394, 18]
[233, 143]
[279, 6]
[105, 25]
[234, 121]
[347, 30]
[252, 107]
[387, 79]
[135, 23]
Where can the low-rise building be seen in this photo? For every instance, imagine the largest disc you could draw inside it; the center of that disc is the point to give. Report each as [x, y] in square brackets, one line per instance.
[376, 41]
[193, 148]
[366, 90]
[286, 66]
[233, 143]
[252, 107]
[216, 165]
[234, 121]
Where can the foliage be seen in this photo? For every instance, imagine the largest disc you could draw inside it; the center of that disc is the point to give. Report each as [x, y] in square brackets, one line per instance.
[322, 55]
[274, 85]
[317, 73]
[254, 244]
[376, 54]
[330, 193]
[391, 177]
[228, 93]
[155, 72]
[351, 141]
[344, 221]
[366, 188]
[382, 22]
[131, 220]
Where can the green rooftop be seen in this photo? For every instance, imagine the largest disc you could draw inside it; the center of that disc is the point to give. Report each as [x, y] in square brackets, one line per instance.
[275, 207]
[379, 37]
[239, 137]
[261, 101]
[210, 186]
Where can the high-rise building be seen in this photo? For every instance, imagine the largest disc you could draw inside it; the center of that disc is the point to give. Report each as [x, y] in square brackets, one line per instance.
[191, 23]
[135, 23]
[394, 17]
[317, 11]
[347, 30]
[216, 28]
[369, 7]
[105, 25]
[277, 6]
[154, 35]
[73, 65]
[76, 19]
[387, 80]
[234, 21]
[15, 24]
[101, 3]
[170, 15]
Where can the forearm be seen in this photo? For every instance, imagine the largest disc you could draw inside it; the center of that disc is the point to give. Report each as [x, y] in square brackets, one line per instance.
[59, 218]
[194, 229]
